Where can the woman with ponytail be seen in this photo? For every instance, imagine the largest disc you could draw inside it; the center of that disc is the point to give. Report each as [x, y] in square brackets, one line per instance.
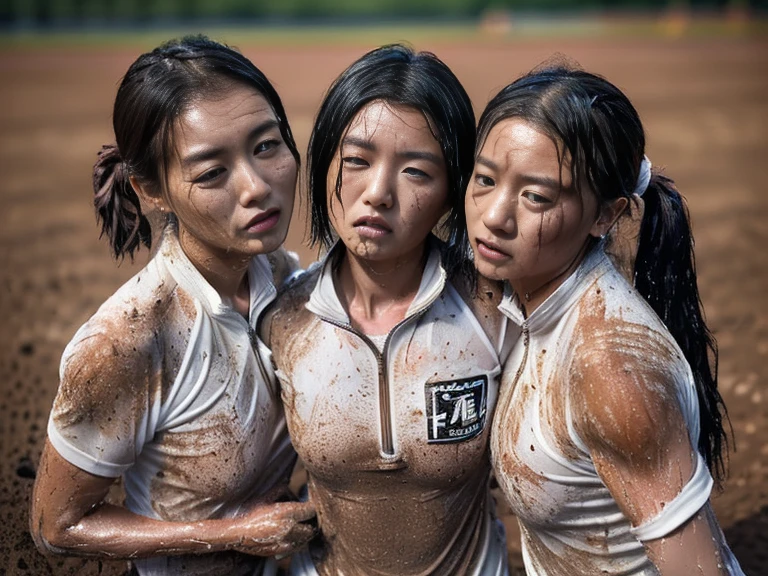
[609, 426]
[167, 385]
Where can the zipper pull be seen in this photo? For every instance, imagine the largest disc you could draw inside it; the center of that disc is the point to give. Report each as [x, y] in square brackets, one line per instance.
[253, 339]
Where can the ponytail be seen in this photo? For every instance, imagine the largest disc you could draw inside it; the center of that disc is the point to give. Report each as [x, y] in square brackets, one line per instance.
[117, 206]
[665, 275]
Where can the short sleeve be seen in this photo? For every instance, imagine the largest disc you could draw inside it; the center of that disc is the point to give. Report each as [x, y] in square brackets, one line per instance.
[677, 512]
[102, 411]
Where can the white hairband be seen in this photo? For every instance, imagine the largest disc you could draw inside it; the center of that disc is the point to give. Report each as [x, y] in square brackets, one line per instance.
[644, 178]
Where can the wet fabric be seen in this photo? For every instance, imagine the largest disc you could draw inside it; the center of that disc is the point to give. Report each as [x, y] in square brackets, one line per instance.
[204, 431]
[570, 523]
[395, 443]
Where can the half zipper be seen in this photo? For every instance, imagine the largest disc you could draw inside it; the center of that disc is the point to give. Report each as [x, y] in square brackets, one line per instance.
[270, 382]
[521, 368]
[325, 304]
[385, 413]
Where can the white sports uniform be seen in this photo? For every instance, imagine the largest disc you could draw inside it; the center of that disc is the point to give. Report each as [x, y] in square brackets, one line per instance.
[203, 430]
[569, 521]
[395, 441]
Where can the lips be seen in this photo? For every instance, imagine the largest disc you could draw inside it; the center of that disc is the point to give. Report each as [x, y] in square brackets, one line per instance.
[264, 221]
[371, 227]
[372, 222]
[491, 251]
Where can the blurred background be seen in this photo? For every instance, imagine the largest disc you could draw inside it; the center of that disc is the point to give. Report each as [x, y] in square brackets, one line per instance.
[76, 13]
[696, 70]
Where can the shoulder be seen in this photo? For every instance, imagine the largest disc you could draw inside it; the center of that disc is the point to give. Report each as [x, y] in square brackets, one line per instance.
[289, 307]
[611, 308]
[126, 337]
[482, 299]
[104, 370]
[148, 305]
[624, 381]
[284, 265]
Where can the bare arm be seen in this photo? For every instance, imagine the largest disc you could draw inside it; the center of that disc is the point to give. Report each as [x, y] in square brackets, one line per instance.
[110, 374]
[628, 415]
[69, 516]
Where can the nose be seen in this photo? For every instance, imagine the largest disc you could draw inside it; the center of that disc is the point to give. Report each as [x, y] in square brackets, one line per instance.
[252, 186]
[500, 213]
[380, 188]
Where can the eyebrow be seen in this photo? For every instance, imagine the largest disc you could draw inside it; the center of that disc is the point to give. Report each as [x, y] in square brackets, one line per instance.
[213, 152]
[487, 163]
[553, 183]
[407, 154]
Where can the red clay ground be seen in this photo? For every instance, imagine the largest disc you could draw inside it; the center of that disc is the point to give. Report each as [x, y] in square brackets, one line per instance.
[705, 107]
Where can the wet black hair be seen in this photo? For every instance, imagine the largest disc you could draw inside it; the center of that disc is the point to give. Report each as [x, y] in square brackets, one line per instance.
[594, 123]
[157, 88]
[398, 76]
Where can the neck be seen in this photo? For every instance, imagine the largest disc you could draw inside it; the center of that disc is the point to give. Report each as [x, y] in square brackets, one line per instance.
[532, 292]
[226, 272]
[377, 295]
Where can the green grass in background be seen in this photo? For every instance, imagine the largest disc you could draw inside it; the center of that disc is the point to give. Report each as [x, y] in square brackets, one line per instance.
[507, 30]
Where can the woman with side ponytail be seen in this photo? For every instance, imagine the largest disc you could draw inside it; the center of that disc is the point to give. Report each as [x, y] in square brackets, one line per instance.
[117, 205]
[609, 426]
[167, 385]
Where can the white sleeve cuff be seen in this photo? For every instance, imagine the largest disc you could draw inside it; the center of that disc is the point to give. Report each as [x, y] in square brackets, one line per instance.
[682, 507]
[82, 460]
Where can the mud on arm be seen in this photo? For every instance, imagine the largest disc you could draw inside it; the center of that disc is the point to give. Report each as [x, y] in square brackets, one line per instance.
[628, 415]
[69, 517]
[107, 386]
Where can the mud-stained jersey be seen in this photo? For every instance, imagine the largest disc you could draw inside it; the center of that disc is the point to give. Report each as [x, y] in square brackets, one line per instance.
[202, 431]
[395, 439]
[570, 523]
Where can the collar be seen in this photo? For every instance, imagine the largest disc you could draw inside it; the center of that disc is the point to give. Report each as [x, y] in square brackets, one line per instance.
[562, 300]
[262, 290]
[324, 301]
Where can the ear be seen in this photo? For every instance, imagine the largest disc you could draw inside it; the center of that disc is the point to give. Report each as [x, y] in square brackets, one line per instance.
[609, 213]
[147, 195]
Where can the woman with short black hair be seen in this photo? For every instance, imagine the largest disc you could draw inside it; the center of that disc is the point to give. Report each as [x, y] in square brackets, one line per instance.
[387, 356]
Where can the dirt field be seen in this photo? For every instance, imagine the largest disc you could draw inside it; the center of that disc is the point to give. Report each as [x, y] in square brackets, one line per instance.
[705, 107]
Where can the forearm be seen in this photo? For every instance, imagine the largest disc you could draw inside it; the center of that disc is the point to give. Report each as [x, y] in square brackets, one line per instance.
[691, 549]
[115, 532]
[69, 515]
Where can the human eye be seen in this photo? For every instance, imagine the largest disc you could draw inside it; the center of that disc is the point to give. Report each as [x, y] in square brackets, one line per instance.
[354, 161]
[535, 198]
[266, 145]
[209, 176]
[484, 181]
[411, 171]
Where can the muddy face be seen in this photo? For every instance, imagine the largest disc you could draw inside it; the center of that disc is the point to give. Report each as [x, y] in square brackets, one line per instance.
[528, 221]
[231, 180]
[394, 185]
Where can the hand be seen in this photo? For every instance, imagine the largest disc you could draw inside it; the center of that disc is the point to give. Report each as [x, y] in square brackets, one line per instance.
[271, 529]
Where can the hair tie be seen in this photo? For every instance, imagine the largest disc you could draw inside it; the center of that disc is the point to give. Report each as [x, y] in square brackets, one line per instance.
[644, 177]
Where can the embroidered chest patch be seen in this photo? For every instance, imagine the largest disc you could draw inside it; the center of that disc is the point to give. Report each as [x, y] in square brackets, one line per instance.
[456, 409]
